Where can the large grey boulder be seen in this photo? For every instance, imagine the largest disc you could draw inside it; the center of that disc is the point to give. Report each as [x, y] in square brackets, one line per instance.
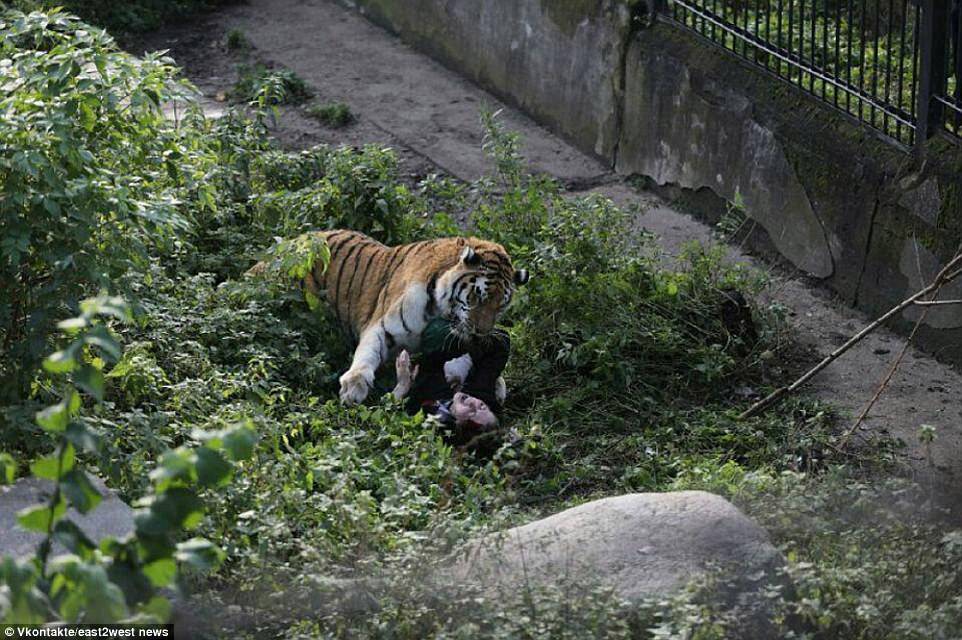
[112, 517]
[642, 546]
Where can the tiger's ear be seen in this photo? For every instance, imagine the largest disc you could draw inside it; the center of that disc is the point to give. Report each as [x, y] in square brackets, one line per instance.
[470, 258]
[521, 277]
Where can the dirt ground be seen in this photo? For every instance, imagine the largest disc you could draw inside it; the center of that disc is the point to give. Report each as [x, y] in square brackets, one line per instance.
[430, 116]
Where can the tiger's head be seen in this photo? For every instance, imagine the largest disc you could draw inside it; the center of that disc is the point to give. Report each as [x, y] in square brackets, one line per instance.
[479, 287]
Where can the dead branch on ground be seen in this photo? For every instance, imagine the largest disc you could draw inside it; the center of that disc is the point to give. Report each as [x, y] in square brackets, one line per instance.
[948, 273]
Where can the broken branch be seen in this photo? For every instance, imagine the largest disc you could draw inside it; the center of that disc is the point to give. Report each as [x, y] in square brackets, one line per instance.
[945, 275]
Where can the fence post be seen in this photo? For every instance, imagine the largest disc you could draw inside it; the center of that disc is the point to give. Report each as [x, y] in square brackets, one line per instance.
[932, 39]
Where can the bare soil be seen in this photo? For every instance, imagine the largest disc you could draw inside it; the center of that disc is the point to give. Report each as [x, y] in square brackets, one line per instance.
[430, 115]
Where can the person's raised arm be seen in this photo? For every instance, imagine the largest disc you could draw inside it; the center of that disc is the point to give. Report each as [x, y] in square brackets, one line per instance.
[405, 375]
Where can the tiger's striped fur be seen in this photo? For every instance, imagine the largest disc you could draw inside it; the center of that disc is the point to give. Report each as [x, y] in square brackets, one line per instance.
[385, 296]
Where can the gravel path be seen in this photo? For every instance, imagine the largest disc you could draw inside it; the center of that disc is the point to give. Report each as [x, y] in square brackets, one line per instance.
[431, 116]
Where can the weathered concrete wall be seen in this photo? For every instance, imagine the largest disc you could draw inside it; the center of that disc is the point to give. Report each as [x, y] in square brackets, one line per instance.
[690, 129]
[871, 221]
[558, 61]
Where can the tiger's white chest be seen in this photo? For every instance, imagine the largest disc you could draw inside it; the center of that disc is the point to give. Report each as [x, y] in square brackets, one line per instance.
[406, 320]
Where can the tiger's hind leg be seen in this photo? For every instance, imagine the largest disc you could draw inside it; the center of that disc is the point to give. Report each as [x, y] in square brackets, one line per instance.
[371, 352]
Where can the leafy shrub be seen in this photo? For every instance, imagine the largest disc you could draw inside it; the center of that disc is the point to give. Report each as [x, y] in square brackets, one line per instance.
[237, 41]
[130, 16]
[344, 189]
[270, 87]
[332, 114]
[93, 175]
[120, 578]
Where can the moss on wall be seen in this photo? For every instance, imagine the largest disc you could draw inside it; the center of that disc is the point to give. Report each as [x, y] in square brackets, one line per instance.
[568, 14]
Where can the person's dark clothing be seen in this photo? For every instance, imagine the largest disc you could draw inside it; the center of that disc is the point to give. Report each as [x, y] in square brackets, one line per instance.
[489, 356]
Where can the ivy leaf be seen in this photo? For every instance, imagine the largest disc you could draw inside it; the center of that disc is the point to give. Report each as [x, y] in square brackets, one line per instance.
[62, 361]
[56, 417]
[83, 437]
[67, 533]
[212, 469]
[81, 493]
[100, 336]
[8, 469]
[239, 442]
[52, 467]
[161, 572]
[91, 380]
[177, 508]
[157, 608]
[199, 553]
[38, 517]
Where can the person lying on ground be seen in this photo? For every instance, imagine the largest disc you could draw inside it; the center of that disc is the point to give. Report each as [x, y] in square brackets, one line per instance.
[458, 380]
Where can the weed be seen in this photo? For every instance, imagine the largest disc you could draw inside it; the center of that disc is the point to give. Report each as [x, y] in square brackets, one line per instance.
[237, 41]
[270, 87]
[332, 114]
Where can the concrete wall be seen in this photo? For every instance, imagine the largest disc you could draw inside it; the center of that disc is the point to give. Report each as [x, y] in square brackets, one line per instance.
[869, 220]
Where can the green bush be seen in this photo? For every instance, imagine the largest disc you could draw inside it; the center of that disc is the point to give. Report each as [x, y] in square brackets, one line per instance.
[270, 87]
[121, 18]
[93, 175]
[117, 579]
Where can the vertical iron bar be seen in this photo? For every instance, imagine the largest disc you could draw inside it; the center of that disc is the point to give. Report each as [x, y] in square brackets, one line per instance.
[956, 34]
[814, 48]
[900, 102]
[825, 66]
[757, 33]
[768, 31]
[779, 36]
[733, 22]
[932, 36]
[791, 16]
[913, 100]
[714, 11]
[861, 64]
[848, 60]
[888, 66]
[838, 42]
[875, 33]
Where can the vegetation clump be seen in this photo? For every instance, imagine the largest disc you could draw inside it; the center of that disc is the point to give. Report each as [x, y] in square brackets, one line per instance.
[332, 114]
[625, 376]
[271, 87]
[237, 41]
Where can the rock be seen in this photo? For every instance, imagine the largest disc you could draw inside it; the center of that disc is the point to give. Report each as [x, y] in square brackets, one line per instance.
[112, 517]
[640, 545]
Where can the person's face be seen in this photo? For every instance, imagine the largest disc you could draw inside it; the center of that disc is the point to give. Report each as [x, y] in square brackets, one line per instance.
[466, 408]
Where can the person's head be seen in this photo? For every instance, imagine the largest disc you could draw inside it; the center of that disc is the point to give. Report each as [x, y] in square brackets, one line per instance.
[469, 411]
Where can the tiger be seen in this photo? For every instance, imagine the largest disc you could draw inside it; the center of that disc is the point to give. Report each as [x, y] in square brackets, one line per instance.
[385, 296]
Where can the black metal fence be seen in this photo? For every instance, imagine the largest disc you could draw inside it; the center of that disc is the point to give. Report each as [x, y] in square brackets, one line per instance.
[893, 65]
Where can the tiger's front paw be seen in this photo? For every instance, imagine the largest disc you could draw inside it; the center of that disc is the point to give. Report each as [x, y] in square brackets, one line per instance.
[355, 386]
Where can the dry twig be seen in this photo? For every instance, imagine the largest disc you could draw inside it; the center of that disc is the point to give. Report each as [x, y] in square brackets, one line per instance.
[947, 274]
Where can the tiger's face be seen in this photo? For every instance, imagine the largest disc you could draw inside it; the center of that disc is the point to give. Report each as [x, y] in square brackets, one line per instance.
[482, 285]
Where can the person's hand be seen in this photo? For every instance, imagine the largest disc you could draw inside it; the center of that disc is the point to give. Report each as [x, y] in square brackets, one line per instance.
[456, 371]
[405, 373]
